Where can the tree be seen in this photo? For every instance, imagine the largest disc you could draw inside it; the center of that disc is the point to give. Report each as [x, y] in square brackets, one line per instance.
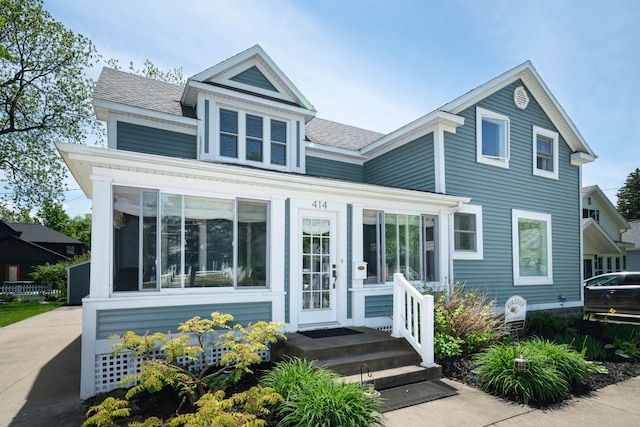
[629, 196]
[54, 216]
[45, 97]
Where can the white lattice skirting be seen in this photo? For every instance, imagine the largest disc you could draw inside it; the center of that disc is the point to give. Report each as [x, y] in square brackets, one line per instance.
[110, 370]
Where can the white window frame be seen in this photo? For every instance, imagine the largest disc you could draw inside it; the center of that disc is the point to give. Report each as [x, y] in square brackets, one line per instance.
[478, 253]
[531, 280]
[242, 138]
[502, 162]
[554, 152]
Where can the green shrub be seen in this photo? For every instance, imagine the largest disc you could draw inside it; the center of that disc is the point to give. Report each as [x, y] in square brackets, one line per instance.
[464, 322]
[545, 321]
[553, 370]
[330, 403]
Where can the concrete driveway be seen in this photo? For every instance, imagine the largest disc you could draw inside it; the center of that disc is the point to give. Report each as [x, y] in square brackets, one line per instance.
[40, 370]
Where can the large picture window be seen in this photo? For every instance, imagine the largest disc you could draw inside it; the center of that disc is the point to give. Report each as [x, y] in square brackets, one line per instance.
[192, 245]
[532, 248]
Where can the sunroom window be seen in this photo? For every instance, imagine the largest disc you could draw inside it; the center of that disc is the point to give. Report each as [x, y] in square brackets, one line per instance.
[393, 243]
[198, 241]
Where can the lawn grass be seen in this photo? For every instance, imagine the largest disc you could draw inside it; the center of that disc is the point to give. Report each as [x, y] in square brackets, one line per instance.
[13, 312]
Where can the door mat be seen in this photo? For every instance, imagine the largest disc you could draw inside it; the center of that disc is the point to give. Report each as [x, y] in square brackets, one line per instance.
[414, 394]
[326, 333]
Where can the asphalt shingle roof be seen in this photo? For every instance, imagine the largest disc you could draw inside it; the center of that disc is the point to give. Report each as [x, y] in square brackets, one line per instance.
[333, 134]
[36, 233]
[142, 92]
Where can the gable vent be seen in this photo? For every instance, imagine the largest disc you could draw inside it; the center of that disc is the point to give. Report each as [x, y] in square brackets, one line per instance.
[520, 98]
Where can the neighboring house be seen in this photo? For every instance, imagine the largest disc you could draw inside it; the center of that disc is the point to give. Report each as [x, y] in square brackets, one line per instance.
[602, 227]
[632, 237]
[229, 194]
[25, 246]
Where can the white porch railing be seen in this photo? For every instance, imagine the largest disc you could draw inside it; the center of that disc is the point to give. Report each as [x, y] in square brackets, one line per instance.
[413, 318]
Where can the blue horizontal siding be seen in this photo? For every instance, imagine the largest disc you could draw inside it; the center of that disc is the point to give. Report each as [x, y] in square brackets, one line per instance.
[253, 77]
[165, 319]
[409, 166]
[378, 306]
[143, 139]
[333, 169]
[500, 190]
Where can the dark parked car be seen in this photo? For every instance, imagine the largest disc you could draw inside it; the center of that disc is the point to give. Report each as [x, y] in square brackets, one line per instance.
[617, 291]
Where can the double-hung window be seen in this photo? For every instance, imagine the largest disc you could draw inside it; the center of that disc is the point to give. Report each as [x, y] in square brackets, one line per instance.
[532, 248]
[467, 233]
[252, 139]
[492, 138]
[545, 153]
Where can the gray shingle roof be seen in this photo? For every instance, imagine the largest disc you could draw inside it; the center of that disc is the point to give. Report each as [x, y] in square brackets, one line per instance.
[36, 233]
[333, 134]
[142, 92]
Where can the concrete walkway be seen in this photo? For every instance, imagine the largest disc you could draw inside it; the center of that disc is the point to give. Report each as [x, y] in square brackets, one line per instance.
[40, 386]
[40, 370]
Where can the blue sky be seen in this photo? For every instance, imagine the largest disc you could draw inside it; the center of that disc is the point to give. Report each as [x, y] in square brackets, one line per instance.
[381, 64]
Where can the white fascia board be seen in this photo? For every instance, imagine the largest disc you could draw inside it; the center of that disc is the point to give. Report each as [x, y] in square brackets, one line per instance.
[422, 126]
[334, 153]
[216, 90]
[106, 107]
[82, 160]
[528, 74]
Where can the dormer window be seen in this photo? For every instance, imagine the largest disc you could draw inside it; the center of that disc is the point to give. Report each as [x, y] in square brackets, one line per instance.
[252, 139]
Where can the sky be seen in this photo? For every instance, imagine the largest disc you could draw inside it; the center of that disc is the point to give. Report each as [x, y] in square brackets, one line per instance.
[382, 64]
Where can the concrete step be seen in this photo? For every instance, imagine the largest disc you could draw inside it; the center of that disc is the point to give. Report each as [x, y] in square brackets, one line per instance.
[396, 377]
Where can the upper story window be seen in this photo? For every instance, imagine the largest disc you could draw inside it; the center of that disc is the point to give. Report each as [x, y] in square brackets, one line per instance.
[245, 136]
[545, 153]
[467, 233]
[492, 138]
[591, 213]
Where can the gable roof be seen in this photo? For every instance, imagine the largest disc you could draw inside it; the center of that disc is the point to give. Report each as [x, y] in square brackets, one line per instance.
[595, 191]
[251, 72]
[37, 233]
[534, 83]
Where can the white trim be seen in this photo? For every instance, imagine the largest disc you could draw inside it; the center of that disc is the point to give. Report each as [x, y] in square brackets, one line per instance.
[141, 121]
[478, 254]
[438, 159]
[529, 280]
[502, 162]
[554, 152]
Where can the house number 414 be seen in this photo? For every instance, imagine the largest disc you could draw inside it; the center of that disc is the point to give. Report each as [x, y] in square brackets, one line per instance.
[319, 204]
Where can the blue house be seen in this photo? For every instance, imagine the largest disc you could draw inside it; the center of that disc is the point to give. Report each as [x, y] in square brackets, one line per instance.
[229, 194]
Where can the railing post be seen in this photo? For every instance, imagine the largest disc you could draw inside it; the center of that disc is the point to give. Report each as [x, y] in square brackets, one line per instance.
[426, 332]
[397, 307]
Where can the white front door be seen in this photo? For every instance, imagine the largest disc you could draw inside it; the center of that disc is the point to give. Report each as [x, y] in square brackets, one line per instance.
[318, 272]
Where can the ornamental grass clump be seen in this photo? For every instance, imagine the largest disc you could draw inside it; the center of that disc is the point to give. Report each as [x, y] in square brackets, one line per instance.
[465, 322]
[315, 396]
[553, 370]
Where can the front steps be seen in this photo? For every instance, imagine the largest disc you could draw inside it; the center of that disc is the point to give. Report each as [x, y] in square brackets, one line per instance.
[392, 362]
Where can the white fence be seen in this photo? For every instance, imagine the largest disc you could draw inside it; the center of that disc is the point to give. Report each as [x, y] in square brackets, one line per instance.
[413, 318]
[28, 291]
